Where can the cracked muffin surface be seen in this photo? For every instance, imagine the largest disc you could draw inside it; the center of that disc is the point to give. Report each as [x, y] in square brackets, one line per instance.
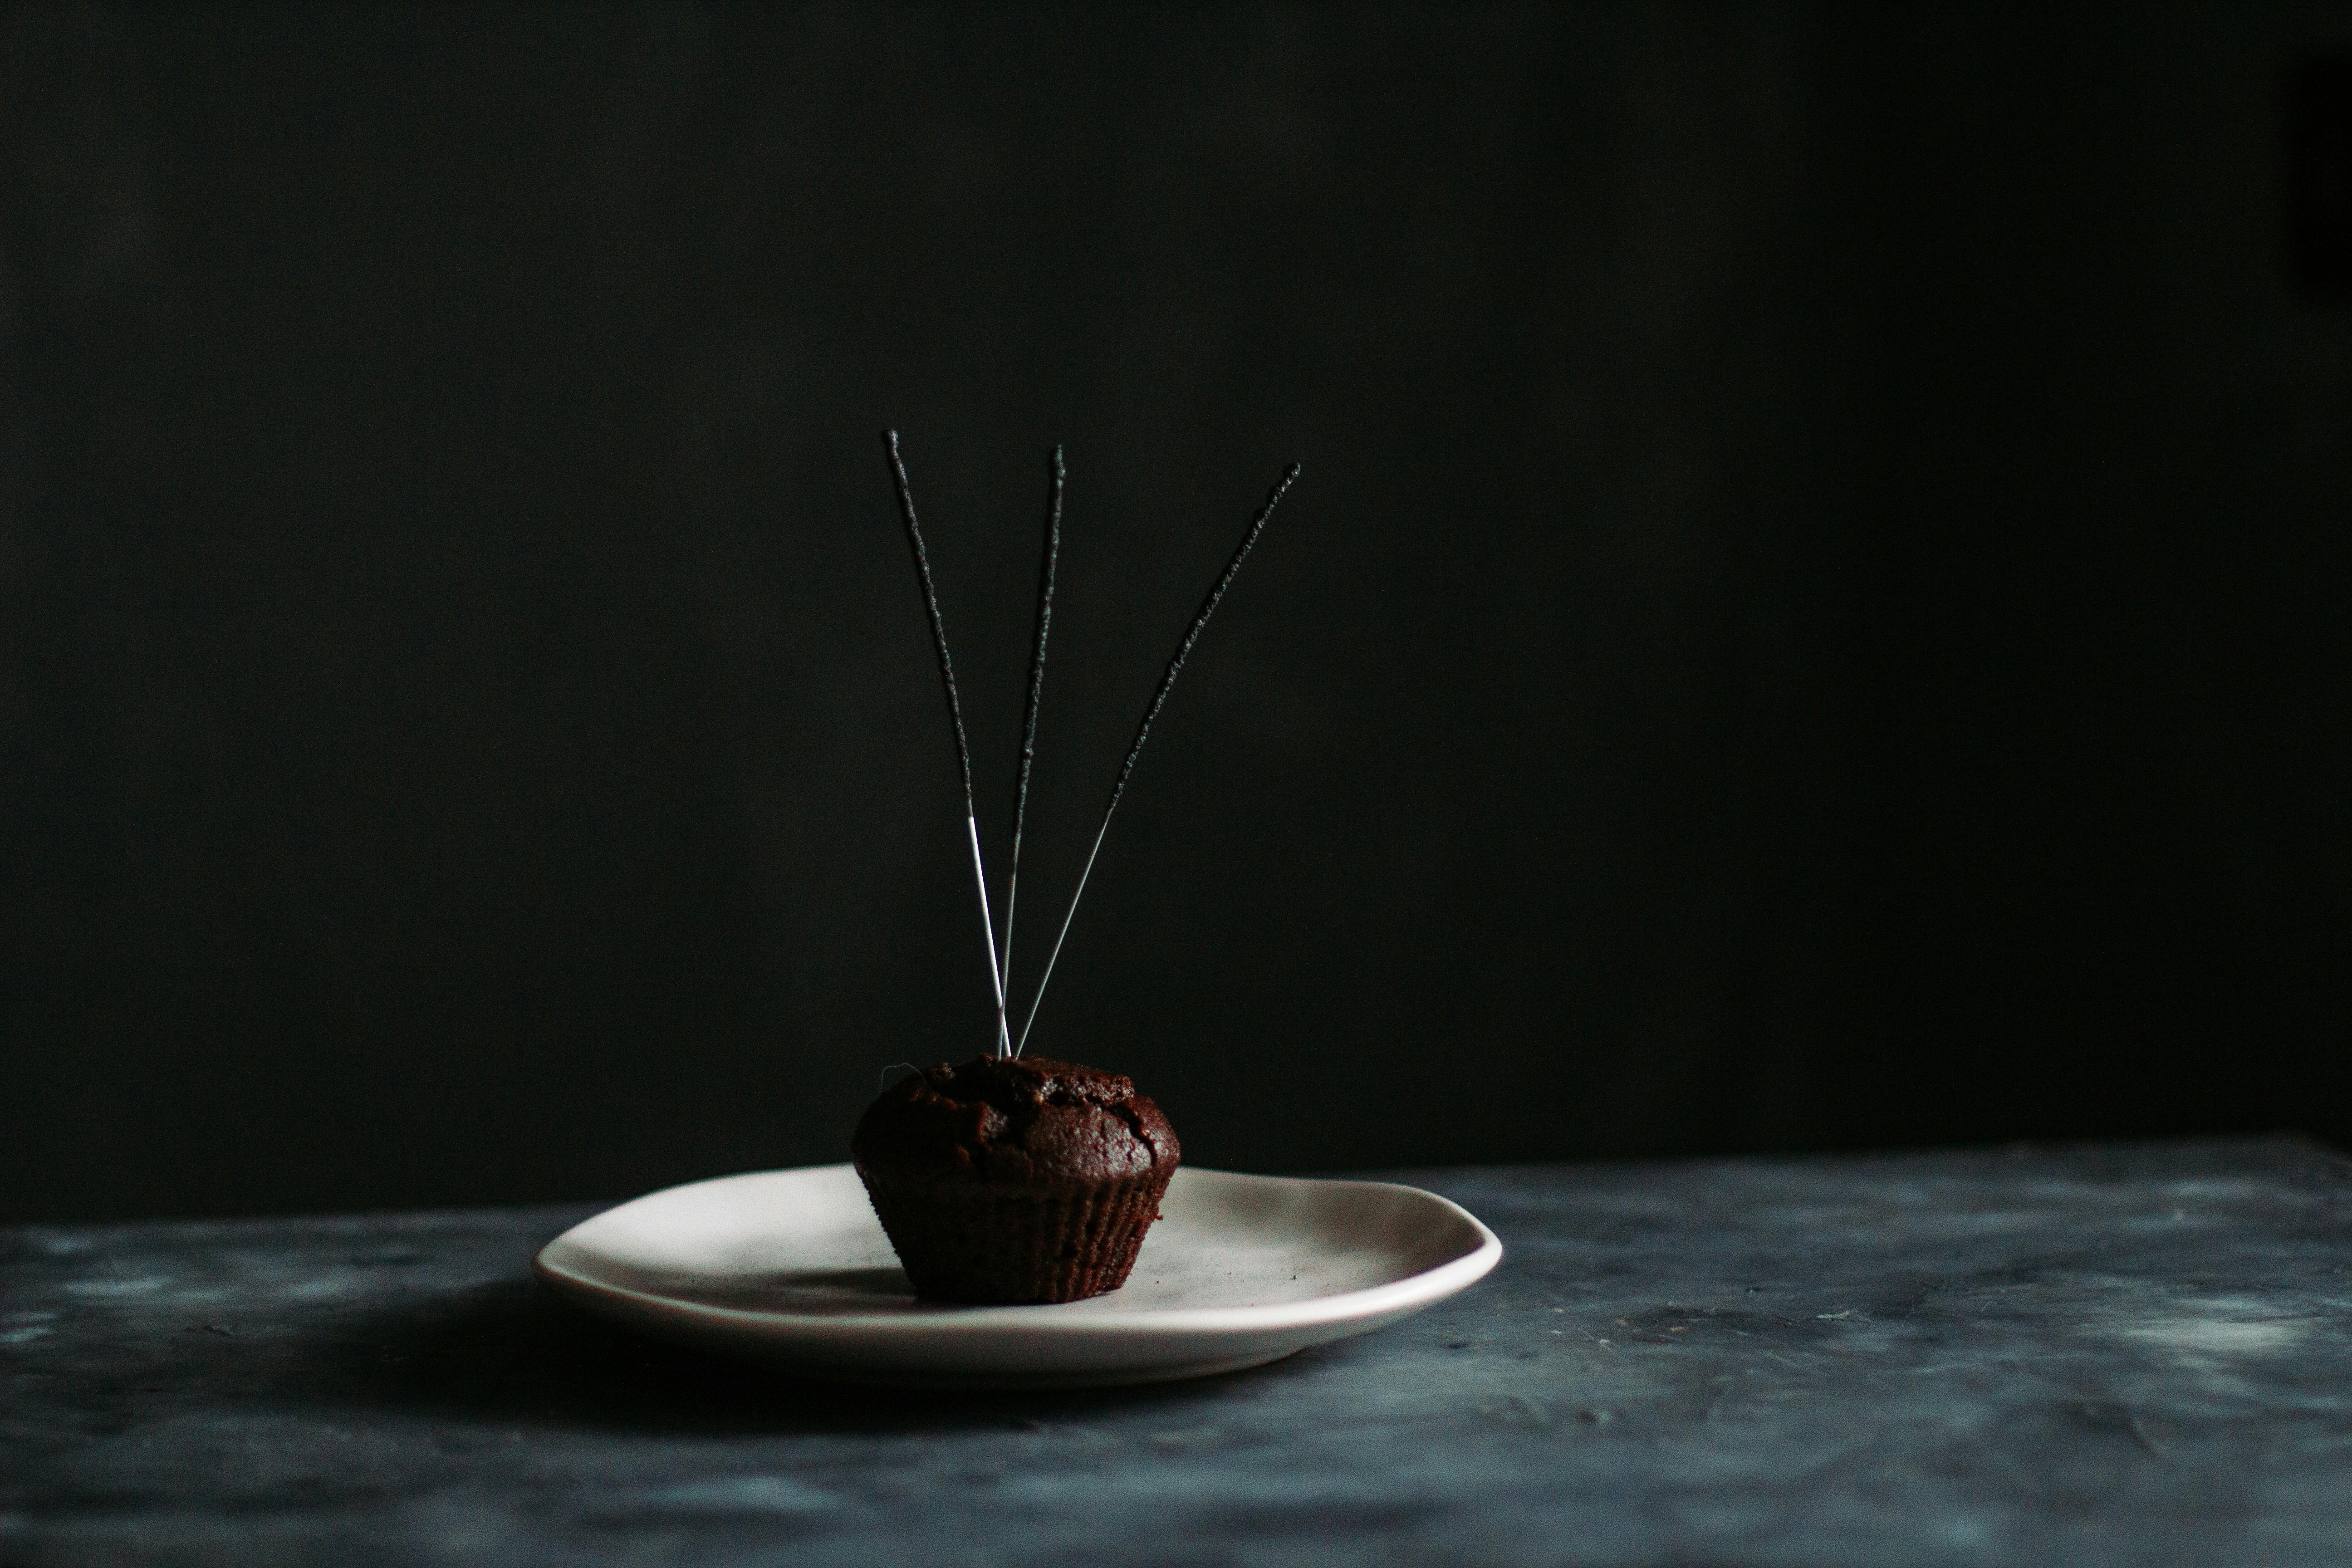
[1020, 1121]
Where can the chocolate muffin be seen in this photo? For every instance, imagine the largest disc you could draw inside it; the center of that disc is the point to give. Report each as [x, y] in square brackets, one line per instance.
[1013, 1178]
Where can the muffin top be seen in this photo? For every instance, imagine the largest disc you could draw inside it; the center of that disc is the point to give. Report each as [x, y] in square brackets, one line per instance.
[1019, 1121]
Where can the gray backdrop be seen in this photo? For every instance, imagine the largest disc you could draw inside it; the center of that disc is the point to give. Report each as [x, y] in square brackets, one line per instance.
[1813, 616]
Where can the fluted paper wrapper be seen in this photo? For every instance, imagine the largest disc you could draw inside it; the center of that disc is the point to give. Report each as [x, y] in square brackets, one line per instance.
[974, 1242]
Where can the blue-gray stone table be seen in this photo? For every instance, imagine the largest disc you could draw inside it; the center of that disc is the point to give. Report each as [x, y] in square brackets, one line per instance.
[2137, 1354]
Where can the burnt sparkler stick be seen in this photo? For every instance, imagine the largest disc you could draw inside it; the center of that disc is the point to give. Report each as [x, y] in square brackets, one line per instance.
[1036, 690]
[955, 716]
[1143, 731]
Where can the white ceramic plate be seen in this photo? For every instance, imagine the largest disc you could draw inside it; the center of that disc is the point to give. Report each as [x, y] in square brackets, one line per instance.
[792, 1267]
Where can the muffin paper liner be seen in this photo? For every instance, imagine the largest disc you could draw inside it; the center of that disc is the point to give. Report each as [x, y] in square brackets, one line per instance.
[966, 1240]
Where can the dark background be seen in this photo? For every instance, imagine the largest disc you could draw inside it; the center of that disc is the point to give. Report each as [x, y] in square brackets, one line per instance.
[1815, 616]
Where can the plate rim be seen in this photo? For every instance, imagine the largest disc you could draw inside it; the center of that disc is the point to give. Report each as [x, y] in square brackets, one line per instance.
[1422, 1289]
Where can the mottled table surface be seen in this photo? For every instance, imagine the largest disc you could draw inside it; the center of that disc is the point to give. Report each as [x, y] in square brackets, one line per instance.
[2137, 1354]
